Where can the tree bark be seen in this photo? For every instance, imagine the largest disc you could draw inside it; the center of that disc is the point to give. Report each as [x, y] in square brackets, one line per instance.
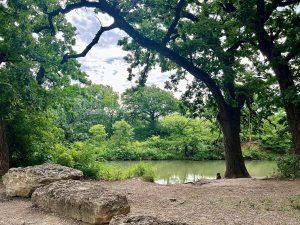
[229, 119]
[4, 150]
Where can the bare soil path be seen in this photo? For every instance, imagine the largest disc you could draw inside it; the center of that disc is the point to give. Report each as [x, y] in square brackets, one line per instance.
[239, 201]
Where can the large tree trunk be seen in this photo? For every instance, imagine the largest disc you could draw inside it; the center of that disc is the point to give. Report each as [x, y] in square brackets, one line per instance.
[4, 152]
[229, 119]
[287, 87]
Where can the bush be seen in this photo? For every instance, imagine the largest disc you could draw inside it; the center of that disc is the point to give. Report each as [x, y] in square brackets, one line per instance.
[32, 137]
[208, 155]
[110, 173]
[289, 166]
[295, 202]
[120, 153]
[275, 136]
[80, 155]
[141, 170]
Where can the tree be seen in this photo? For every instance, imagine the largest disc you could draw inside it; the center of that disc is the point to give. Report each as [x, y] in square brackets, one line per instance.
[194, 135]
[145, 105]
[99, 133]
[123, 133]
[273, 26]
[29, 65]
[79, 108]
[164, 27]
[269, 34]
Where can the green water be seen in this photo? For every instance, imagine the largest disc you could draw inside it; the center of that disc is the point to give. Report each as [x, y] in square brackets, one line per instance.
[181, 171]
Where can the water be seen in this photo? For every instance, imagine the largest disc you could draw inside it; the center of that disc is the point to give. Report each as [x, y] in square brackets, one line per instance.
[182, 171]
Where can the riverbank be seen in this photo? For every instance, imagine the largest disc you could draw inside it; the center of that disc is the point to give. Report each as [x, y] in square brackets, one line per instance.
[239, 201]
[183, 171]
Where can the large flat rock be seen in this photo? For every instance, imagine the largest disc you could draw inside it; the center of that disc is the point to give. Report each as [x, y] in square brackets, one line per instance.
[23, 181]
[142, 220]
[85, 201]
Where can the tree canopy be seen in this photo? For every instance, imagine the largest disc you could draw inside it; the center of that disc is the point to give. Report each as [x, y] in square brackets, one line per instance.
[242, 56]
[147, 104]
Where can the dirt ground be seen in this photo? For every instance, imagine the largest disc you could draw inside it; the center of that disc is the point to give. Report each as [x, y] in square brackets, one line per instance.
[238, 201]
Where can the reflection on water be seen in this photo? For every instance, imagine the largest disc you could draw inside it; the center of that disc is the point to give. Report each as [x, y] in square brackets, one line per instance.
[182, 171]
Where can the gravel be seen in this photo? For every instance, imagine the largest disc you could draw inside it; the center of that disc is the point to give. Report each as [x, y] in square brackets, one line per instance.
[236, 201]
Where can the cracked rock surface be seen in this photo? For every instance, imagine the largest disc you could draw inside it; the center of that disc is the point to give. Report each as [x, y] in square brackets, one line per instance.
[85, 201]
[22, 182]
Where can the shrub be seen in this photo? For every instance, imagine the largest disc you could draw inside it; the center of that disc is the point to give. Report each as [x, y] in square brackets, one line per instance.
[65, 159]
[141, 170]
[80, 155]
[120, 153]
[123, 133]
[289, 166]
[275, 136]
[110, 173]
[98, 134]
[295, 202]
[208, 155]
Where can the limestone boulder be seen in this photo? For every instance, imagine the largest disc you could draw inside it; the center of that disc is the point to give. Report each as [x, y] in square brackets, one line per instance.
[82, 200]
[23, 181]
[142, 220]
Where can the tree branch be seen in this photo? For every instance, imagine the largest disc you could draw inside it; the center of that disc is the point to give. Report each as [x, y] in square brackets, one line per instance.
[95, 40]
[40, 75]
[3, 57]
[291, 55]
[67, 9]
[173, 25]
[147, 68]
[278, 3]
[145, 42]
[190, 16]
[288, 3]
[235, 46]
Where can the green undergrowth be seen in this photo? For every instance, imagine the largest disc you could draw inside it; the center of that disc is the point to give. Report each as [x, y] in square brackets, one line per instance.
[289, 166]
[295, 202]
[112, 173]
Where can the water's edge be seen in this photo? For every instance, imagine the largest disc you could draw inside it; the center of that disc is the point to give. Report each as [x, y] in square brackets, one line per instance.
[182, 171]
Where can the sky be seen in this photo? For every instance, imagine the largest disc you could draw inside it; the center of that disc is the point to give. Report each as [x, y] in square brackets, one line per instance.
[104, 63]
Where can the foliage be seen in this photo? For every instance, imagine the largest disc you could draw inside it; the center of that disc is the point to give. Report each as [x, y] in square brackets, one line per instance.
[79, 108]
[32, 137]
[191, 137]
[81, 125]
[123, 133]
[98, 134]
[295, 202]
[30, 67]
[274, 134]
[254, 154]
[266, 137]
[141, 170]
[145, 105]
[289, 166]
[85, 157]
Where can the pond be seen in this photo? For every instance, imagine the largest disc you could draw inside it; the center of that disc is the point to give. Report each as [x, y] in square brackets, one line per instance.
[182, 171]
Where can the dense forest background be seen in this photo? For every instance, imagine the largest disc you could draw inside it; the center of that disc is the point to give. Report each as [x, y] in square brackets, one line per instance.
[84, 126]
[50, 111]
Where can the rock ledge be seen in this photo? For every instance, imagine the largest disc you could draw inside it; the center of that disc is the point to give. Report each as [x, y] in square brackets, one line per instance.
[85, 201]
[23, 181]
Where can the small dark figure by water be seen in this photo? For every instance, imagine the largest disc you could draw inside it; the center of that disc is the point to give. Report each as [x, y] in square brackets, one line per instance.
[219, 176]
